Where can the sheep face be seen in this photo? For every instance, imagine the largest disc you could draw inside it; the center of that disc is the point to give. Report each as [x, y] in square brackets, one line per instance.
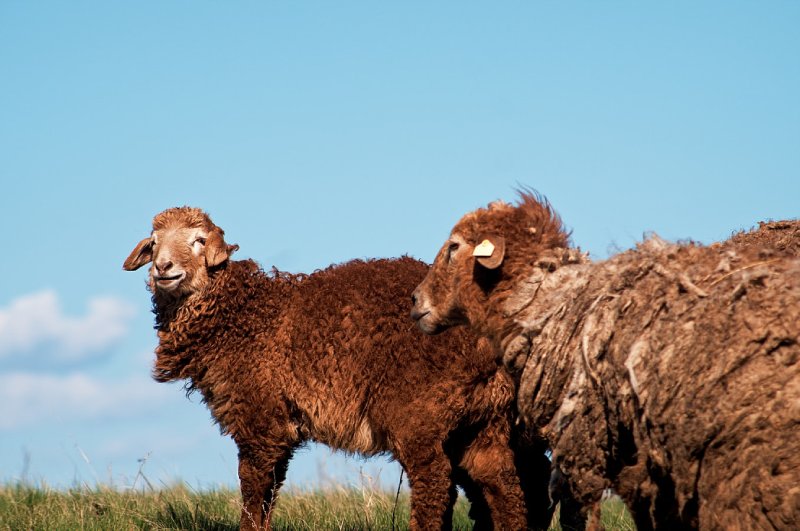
[183, 246]
[438, 302]
[487, 250]
[455, 292]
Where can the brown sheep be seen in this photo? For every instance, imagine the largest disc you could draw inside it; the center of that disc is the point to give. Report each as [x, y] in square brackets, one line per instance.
[781, 236]
[669, 373]
[282, 359]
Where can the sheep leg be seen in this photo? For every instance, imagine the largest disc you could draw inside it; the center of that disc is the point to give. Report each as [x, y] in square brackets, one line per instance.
[535, 472]
[261, 475]
[432, 489]
[478, 508]
[489, 462]
[571, 514]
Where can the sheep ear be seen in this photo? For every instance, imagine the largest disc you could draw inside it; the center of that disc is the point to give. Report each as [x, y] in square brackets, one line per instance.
[141, 255]
[217, 251]
[490, 252]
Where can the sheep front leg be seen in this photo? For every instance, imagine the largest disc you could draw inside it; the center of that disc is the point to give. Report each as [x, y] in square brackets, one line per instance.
[433, 492]
[261, 474]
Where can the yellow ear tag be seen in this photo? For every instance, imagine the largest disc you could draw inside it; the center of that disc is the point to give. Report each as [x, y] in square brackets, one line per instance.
[485, 249]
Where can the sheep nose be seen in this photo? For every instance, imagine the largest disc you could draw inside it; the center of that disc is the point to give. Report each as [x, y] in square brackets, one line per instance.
[163, 267]
[416, 298]
[416, 312]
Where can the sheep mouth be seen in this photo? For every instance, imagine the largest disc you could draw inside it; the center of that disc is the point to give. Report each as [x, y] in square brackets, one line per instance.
[426, 322]
[419, 314]
[169, 281]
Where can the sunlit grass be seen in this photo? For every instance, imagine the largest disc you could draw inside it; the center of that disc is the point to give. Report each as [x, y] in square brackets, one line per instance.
[25, 506]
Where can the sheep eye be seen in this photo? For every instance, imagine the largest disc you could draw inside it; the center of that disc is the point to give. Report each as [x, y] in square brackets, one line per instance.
[453, 247]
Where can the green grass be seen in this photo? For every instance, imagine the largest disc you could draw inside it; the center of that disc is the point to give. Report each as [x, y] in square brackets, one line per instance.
[25, 507]
[616, 516]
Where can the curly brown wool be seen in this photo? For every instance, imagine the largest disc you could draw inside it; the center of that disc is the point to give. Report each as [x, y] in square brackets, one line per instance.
[281, 359]
[669, 373]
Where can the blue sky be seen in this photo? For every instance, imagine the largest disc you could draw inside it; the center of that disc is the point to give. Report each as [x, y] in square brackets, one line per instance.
[316, 132]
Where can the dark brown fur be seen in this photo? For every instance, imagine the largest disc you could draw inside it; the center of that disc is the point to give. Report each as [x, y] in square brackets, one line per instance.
[670, 373]
[281, 359]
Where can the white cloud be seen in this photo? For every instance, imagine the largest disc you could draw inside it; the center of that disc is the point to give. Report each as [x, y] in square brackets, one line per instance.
[34, 321]
[30, 398]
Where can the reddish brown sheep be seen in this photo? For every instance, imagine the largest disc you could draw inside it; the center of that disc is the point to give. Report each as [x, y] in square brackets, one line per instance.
[670, 373]
[281, 359]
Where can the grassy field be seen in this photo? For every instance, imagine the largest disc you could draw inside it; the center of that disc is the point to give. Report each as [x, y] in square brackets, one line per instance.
[24, 507]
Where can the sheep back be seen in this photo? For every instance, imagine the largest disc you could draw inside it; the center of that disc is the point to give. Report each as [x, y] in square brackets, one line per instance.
[674, 372]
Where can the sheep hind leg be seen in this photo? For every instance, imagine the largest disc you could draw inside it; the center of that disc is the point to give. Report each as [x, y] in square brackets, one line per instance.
[489, 462]
[261, 475]
[571, 515]
[535, 473]
[432, 491]
[478, 508]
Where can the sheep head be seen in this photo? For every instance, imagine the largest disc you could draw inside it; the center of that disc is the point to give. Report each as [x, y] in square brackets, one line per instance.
[184, 247]
[488, 251]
